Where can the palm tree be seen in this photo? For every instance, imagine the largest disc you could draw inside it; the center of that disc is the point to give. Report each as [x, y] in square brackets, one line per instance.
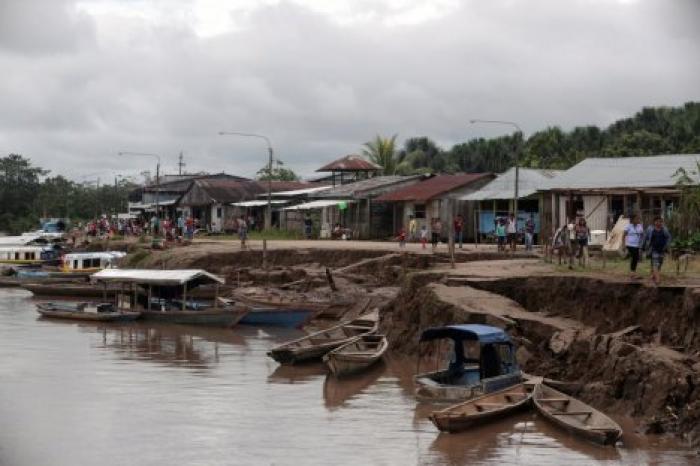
[382, 151]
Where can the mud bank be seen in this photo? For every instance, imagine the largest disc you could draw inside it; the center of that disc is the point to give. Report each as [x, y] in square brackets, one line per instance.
[631, 350]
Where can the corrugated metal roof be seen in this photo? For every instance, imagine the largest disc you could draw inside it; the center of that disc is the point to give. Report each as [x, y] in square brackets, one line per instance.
[432, 187]
[366, 187]
[258, 203]
[227, 191]
[530, 180]
[316, 204]
[623, 172]
[155, 277]
[351, 163]
[299, 192]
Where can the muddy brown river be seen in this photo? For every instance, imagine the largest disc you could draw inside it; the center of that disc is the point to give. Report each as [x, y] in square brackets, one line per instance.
[143, 394]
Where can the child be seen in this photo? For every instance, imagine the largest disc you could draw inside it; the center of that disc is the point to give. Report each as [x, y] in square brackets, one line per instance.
[423, 236]
[402, 238]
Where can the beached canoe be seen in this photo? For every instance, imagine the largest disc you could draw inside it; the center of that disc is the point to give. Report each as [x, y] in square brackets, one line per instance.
[575, 416]
[104, 312]
[483, 409]
[356, 355]
[314, 346]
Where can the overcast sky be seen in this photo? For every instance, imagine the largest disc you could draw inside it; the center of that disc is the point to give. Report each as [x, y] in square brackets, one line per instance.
[82, 80]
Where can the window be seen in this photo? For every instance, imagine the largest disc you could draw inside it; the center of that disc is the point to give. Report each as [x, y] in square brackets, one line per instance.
[218, 212]
[75, 264]
[419, 210]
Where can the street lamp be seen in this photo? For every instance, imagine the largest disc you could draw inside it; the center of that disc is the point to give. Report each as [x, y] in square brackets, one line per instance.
[268, 214]
[147, 154]
[517, 158]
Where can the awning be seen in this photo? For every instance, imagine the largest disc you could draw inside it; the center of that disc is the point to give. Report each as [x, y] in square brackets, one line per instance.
[475, 332]
[257, 203]
[156, 277]
[318, 204]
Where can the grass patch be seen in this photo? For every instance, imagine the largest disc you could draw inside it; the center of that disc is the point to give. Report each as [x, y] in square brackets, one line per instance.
[620, 266]
[136, 257]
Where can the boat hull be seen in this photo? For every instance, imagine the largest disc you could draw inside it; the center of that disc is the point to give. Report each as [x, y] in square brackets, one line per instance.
[314, 346]
[206, 317]
[575, 417]
[343, 363]
[50, 311]
[77, 290]
[429, 390]
[482, 409]
[293, 318]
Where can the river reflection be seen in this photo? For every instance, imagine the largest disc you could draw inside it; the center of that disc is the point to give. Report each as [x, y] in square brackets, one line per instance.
[143, 394]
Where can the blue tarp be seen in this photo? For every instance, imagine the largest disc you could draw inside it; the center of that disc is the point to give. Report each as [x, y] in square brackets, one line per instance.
[487, 225]
[484, 334]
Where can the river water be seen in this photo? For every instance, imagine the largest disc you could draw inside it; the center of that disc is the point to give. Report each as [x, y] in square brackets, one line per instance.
[144, 394]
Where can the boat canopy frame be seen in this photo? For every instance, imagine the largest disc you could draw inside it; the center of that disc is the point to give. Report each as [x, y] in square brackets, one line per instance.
[484, 334]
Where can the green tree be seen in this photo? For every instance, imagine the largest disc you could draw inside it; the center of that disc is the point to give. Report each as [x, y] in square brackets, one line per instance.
[19, 182]
[279, 173]
[382, 151]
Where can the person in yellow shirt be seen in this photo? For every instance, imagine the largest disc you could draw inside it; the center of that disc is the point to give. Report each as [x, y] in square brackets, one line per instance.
[412, 228]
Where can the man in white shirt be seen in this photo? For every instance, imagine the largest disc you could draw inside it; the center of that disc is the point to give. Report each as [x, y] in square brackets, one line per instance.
[512, 231]
[634, 234]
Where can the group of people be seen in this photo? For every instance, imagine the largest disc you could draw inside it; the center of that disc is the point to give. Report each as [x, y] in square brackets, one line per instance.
[435, 234]
[654, 241]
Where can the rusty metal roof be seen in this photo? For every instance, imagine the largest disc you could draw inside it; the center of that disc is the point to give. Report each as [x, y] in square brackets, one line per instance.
[226, 191]
[432, 187]
[350, 163]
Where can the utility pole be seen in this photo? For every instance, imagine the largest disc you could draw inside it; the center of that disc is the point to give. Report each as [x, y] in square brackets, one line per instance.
[180, 163]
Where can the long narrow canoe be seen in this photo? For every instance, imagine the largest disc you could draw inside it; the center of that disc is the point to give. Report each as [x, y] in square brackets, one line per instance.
[314, 346]
[84, 311]
[575, 416]
[483, 409]
[356, 355]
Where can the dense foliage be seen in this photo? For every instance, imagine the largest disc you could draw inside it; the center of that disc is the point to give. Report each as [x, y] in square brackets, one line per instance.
[652, 131]
[279, 173]
[28, 194]
[685, 221]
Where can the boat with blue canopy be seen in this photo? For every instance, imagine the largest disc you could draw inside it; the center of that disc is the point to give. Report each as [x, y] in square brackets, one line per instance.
[482, 361]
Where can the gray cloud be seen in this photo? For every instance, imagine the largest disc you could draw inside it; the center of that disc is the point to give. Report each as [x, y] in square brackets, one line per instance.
[320, 89]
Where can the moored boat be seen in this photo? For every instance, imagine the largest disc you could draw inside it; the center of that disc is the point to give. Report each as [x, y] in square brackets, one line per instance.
[161, 295]
[314, 346]
[72, 288]
[291, 317]
[575, 416]
[104, 312]
[467, 377]
[483, 409]
[356, 355]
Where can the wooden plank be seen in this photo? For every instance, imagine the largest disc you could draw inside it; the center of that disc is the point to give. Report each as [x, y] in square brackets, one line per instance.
[572, 413]
[554, 400]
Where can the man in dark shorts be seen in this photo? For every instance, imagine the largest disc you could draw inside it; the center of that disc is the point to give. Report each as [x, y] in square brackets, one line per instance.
[656, 240]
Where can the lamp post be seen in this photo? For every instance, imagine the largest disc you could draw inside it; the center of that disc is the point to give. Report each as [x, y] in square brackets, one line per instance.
[147, 154]
[517, 158]
[268, 214]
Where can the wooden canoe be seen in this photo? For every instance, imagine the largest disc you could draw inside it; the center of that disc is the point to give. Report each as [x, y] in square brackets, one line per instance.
[483, 409]
[314, 346]
[356, 355]
[575, 416]
[84, 311]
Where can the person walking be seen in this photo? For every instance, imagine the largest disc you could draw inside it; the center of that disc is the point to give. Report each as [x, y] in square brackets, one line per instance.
[308, 226]
[657, 240]
[401, 237]
[436, 230]
[529, 232]
[501, 234]
[423, 236]
[582, 235]
[412, 228]
[242, 231]
[633, 235]
[512, 231]
[459, 229]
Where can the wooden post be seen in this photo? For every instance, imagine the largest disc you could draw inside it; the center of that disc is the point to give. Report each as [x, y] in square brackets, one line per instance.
[216, 296]
[330, 280]
[451, 231]
[150, 293]
[104, 291]
[264, 254]
[184, 296]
